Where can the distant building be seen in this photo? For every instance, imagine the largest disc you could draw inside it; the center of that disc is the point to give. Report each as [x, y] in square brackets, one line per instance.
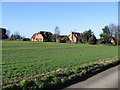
[74, 37]
[41, 36]
[62, 37]
[113, 41]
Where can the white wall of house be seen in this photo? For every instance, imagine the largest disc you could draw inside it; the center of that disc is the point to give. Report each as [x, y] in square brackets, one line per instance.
[38, 37]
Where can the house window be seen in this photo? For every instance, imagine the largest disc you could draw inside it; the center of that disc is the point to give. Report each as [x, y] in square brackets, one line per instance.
[37, 39]
[39, 34]
[40, 39]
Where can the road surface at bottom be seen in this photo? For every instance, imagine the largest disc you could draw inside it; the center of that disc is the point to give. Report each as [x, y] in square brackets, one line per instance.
[105, 79]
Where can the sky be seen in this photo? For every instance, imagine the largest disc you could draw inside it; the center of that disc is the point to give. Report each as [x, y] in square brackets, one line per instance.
[28, 18]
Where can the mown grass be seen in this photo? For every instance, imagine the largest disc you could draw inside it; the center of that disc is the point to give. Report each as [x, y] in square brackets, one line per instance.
[22, 59]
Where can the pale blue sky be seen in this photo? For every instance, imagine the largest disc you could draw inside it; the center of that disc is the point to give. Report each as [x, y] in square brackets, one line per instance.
[28, 18]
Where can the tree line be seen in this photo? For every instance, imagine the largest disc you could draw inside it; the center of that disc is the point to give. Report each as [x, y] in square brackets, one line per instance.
[108, 32]
[5, 34]
[111, 32]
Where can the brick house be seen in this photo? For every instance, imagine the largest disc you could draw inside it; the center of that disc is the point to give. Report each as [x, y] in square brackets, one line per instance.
[74, 37]
[41, 36]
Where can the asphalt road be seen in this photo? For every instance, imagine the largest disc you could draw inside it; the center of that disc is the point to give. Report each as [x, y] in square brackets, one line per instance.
[105, 79]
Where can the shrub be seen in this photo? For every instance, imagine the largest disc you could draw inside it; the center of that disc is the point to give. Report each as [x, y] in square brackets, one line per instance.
[23, 83]
[56, 81]
[64, 79]
[96, 66]
[54, 74]
[63, 41]
[52, 37]
[10, 86]
[78, 69]
[92, 40]
[72, 77]
[96, 70]
[47, 78]
[67, 73]
[62, 74]
[27, 84]
[58, 40]
[83, 72]
[39, 83]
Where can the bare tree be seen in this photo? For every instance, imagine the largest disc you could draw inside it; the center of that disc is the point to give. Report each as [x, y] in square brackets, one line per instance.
[8, 33]
[115, 32]
[16, 33]
[57, 32]
[113, 29]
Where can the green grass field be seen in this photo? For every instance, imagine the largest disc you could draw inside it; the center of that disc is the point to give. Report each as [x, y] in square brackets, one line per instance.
[23, 59]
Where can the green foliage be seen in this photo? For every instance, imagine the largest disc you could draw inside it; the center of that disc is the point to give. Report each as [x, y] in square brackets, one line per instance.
[53, 38]
[27, 84]
[101, 41]
[67, 73]
[58, 40]
[62, 39]
[56, 81]
[10, 87]
[85, 36]
[47, 78]
[3, 34]
[105, 36]
[23, 83]
[83, 72]
[66, 38]
[54, 74]
[78, 69]
[39, 83]
[92, 40]
[64, 79]
[72, 77]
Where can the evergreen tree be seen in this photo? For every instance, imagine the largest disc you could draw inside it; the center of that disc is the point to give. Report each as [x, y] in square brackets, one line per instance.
[92, 40]
[106, 35]
[3, 33]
